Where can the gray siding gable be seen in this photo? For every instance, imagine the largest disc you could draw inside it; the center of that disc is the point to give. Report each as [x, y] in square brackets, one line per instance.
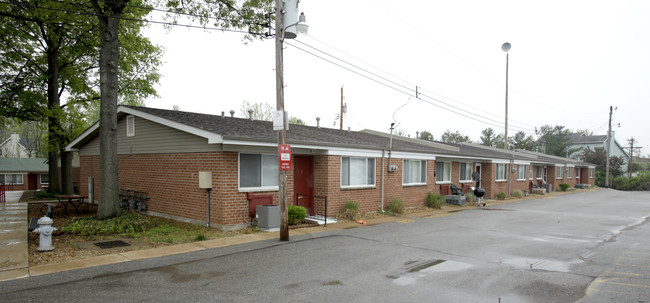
[152, 138]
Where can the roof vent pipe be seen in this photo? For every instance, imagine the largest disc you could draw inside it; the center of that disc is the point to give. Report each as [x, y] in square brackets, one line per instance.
[348, 129]
[250, 114]
[232, 113]
[318, 122]
[223, 114]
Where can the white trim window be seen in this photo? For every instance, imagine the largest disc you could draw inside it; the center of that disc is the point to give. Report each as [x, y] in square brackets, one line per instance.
[414, 172]
[443, 172]
[501, 172]
[521, 172]
[591, 172]
[11, 178]
[558, 172]
[539, 173]
[258, 171]
[465, 172]
[45, 178]
[130, 126]
[357, 172]
[530, 172]
[577, 172]
[569, 173]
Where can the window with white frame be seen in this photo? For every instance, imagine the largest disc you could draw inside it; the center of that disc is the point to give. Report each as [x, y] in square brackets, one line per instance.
[539, 172]
[559, 172]
[443, 172]
[45, 178]
[130, 126]
[591, 172]
[521, 172]
[357, 171]
[11, 178]
[258, 171]
[465, 172]
[414, 172]
[577, 173]
[569, 173]
[502, 172]
[530, 172]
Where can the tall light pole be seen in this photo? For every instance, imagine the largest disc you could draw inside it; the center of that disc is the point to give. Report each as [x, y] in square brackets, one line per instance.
[506, 47]
[282, 32]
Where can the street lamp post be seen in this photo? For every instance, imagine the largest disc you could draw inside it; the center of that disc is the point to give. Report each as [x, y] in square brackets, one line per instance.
[506, 47]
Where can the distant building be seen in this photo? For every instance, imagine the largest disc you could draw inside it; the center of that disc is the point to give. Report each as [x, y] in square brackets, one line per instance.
[24, 173]
[582, 141]
[13, 148]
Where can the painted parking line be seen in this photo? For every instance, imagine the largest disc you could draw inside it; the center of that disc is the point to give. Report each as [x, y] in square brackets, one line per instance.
[622, 277]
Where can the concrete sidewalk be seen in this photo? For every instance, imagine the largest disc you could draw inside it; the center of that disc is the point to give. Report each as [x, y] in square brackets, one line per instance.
[14, 262]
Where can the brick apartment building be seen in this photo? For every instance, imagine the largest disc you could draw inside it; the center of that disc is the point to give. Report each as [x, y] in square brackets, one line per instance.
[162, 152]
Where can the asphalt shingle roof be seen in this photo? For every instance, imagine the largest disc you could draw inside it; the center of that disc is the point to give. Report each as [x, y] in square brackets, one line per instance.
[239, 128]
[23, 165]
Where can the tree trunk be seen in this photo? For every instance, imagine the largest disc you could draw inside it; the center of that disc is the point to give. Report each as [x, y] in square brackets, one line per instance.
[53, 106]
[66, 172]
[109, 53]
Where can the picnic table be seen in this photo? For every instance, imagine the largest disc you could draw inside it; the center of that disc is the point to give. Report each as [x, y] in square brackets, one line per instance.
[73, 200]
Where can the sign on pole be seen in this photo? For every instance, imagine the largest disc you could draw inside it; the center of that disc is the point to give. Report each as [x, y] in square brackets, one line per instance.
[285, 157]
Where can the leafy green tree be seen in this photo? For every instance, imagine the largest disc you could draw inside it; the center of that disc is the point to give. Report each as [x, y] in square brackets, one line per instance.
[554, 140]
[521, 141]
[426, 135]
[454, 137]
[598, 156]
[50, 50]
[490, 138]
[296, 121]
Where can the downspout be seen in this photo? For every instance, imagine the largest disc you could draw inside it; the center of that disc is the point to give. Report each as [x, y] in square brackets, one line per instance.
[390, 145]
[382, 179]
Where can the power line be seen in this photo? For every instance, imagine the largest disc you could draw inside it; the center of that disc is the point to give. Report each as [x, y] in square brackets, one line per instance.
[398, 87]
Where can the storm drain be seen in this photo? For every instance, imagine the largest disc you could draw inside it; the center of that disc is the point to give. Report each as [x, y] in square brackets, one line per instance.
[425, 265]
[111, 244]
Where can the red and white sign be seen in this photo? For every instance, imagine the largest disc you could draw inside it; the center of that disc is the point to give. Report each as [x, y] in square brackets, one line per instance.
[285, 157]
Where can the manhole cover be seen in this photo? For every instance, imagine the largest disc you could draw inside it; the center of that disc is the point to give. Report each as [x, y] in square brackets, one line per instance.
[112, 244]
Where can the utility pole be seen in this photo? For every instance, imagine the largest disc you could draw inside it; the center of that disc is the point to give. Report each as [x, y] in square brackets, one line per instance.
[341, 108]
[629, 163]
[282, 135]
[609, 145]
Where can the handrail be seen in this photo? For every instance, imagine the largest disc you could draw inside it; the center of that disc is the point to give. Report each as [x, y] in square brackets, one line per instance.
[299, 195]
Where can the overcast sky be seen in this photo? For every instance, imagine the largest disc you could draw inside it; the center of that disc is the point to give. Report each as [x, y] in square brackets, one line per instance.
[570, 61]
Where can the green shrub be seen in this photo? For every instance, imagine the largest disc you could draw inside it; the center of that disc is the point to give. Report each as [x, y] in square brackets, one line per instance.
[501, 196]
[126, 224]
[564, 186]
[517, 193]
[434, 200]
[350, 211]
[296, 214]
[396, 206]
[351, 205]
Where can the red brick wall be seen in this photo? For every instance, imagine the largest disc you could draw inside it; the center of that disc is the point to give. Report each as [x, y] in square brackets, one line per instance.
[172, 183]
